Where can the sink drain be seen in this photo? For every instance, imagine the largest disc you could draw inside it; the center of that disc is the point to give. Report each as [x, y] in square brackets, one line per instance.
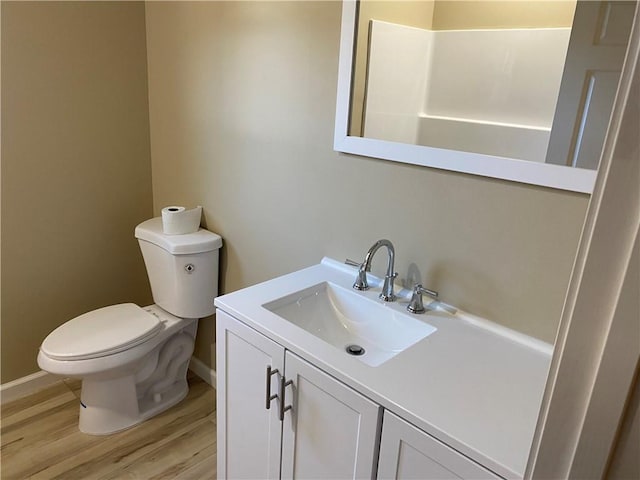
[355, 350]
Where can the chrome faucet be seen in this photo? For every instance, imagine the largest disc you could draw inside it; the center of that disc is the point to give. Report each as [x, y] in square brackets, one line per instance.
[361, 281]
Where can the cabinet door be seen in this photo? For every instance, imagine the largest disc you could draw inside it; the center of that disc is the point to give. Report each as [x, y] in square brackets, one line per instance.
[248, 434]
[331, 430]
[409, 453]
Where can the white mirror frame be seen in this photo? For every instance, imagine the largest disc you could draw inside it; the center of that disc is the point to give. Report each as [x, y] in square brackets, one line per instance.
[534, 173]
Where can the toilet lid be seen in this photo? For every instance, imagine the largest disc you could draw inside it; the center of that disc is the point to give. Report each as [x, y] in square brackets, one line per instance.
[101, 332]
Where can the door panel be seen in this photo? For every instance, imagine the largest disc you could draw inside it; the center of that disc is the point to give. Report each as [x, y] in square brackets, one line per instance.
[331, 430]
[595, 55]
[407, 452]
[248, 434]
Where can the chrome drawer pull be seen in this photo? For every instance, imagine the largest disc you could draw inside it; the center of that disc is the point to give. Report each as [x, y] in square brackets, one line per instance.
[284, 384]
[270, 397]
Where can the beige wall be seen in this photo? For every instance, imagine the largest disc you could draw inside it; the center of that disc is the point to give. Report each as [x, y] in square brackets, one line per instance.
[469, 14]
[76, 172]
[242, 104]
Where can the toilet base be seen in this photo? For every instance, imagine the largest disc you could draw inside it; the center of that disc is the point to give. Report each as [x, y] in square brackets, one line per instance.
[110, 406]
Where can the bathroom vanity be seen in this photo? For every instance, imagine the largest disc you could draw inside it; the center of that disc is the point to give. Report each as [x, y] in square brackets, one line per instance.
[456, 398]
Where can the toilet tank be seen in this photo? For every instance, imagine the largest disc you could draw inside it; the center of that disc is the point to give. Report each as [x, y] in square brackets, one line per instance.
[182, 269]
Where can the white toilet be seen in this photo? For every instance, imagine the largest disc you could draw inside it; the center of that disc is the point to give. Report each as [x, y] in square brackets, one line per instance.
[133, 361]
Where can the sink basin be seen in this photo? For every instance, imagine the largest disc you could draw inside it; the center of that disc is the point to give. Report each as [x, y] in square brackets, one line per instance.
[365, 328]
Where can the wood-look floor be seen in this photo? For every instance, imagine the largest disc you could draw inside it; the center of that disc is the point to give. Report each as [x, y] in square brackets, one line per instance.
[40, 439]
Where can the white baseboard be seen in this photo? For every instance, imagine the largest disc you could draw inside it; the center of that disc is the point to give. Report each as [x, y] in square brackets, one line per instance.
[24, 386]
[203, 371]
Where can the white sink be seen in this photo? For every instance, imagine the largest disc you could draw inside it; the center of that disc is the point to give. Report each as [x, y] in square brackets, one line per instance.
[345, 318]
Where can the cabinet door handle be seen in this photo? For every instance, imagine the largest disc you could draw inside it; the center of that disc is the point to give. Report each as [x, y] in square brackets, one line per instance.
[284, 384]
[270, 397]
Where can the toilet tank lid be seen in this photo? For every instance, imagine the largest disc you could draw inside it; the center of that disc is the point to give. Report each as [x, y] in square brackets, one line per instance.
[197, 242]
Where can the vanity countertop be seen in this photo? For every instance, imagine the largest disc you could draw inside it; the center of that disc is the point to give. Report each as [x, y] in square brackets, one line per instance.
[472, 384]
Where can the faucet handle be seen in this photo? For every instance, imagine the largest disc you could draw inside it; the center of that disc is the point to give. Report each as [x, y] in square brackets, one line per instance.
[352, 263]
[432, 293]
[416, 305]
[361, 282]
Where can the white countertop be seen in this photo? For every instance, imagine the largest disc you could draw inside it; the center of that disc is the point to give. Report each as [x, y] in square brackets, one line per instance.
[472, 384]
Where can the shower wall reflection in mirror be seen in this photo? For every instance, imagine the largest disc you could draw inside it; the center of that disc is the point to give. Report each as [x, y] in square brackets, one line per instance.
[526, 80]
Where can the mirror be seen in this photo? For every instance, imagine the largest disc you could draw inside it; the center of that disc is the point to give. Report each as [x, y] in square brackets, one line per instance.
[519, 91]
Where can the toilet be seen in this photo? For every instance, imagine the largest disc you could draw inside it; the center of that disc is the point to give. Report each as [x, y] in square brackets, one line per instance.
[133, 360]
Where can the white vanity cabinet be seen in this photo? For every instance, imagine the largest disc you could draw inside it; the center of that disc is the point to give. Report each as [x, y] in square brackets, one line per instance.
[407, 452]
[331, 431]
[461, 402]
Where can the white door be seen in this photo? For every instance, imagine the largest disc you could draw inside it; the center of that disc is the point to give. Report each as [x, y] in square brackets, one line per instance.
[248, 433]
[407, 452]
[597, 47]
[331, 430]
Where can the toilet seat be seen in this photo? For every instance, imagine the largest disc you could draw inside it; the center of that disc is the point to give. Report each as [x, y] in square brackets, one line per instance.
[101, 332]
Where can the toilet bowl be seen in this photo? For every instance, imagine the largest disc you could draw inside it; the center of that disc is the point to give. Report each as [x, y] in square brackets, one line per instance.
[133, 361]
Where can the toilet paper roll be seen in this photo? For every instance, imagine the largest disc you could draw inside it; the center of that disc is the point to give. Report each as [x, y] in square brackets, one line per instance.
[177, 220]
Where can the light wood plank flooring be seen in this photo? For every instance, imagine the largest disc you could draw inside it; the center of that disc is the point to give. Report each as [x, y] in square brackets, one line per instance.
[40, 439]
